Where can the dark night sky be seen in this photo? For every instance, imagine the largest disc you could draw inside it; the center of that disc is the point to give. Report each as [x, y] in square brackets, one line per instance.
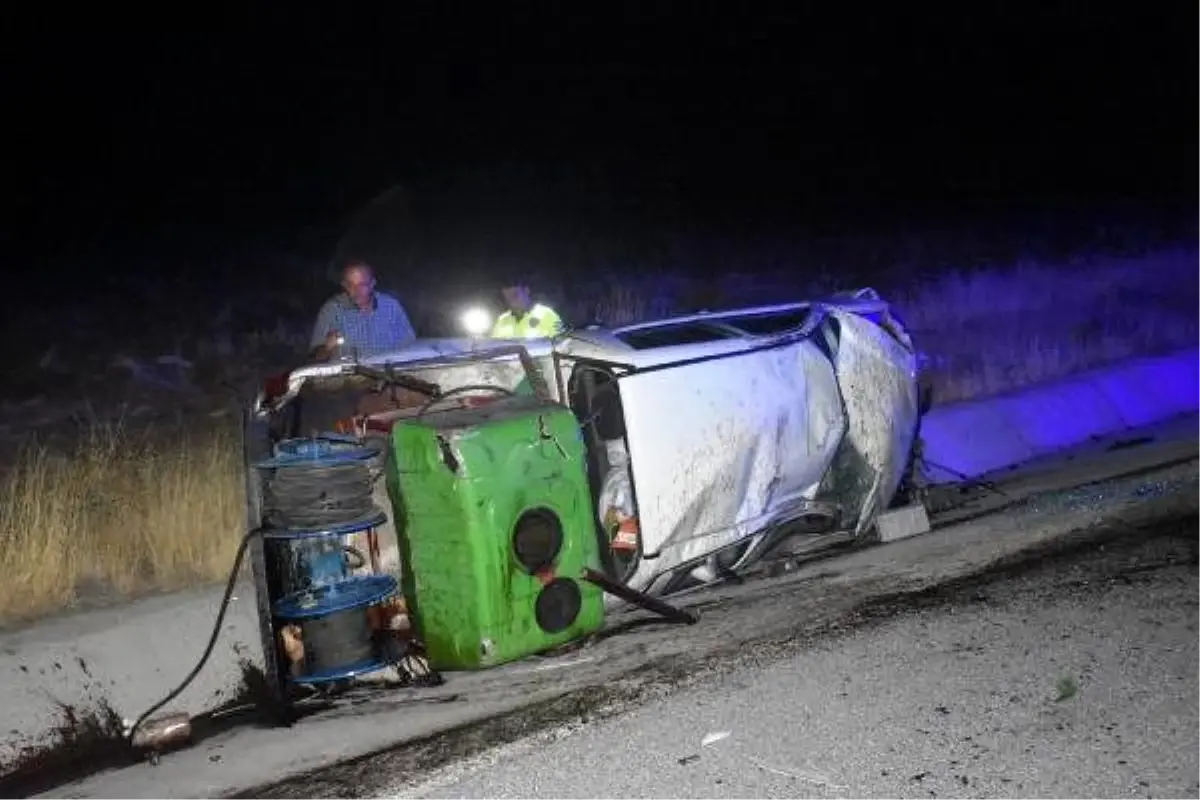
[267, 118]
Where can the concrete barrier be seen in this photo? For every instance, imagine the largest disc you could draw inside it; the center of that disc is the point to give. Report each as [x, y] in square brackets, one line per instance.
[1048, 418]
[1152, 389]
[125, 658]
[970, 439]
[976, 437]
[130, 657]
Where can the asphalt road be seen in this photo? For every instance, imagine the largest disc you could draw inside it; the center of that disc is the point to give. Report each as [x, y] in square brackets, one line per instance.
[1072, 676]
[384, 741]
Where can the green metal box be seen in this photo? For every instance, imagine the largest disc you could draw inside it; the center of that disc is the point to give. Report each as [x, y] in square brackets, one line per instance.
[495, 525]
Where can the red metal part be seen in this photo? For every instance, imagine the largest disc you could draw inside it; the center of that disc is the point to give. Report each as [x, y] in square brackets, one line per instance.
[275, 386]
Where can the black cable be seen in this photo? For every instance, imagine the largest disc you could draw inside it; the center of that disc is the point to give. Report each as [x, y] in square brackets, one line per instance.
[212, 640]
[968, 479]
[318, 496]
[390, 376]
[459, 390]
[354, 553]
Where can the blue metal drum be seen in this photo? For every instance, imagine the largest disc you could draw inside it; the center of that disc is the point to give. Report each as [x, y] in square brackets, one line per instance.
[332, 624]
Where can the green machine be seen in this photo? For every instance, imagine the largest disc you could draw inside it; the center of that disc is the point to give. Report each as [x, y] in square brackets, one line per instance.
[495, 526]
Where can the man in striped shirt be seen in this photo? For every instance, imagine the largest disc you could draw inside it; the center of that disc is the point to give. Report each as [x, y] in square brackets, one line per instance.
[359, 322]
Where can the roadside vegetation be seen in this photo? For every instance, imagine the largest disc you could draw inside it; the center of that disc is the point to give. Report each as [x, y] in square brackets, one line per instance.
[128, 508]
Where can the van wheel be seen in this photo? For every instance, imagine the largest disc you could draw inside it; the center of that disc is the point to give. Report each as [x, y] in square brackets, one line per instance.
[909, 490]
[924, 393]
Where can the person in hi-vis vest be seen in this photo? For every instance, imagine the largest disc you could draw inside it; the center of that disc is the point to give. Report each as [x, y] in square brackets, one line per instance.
[524, 318]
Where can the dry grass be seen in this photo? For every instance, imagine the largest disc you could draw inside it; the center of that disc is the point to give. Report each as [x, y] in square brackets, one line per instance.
[122, 513]
[994, 331]
[984, 331]
[130, 515]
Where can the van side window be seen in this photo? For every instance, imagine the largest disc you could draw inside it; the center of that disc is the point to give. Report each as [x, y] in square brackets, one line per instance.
[672, 335]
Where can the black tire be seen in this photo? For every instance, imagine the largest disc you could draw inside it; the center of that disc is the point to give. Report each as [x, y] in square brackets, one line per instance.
[908, 490]
[924, 393]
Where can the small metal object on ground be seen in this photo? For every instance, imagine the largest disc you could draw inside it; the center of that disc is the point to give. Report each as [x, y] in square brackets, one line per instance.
[901, 523]
[163, 733]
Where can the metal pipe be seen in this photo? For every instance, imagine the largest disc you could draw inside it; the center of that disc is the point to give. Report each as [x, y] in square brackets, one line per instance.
[640, 599]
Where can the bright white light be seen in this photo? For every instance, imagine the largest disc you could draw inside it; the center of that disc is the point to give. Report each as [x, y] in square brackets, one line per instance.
[476, 321]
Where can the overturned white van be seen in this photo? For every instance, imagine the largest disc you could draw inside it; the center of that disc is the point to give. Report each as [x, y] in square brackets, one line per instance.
[709, 437]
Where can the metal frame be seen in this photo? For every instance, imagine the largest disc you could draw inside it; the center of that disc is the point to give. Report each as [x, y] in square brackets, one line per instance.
[297, 378]
[256, 446]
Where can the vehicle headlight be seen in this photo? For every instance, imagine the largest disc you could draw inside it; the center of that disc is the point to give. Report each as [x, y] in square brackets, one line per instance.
[476, 321]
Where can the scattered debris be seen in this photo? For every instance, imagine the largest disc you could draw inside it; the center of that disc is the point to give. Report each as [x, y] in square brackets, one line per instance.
[713, 738]
[1067, 687]
[807, 777]
[87, 741]
[557, 665]
[84, 741]
[1122, 444]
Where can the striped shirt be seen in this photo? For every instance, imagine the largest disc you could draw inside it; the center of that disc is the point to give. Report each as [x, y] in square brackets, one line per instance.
[380, 329]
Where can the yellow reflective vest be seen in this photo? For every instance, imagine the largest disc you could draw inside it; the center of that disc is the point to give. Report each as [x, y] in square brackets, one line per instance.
[541, 321]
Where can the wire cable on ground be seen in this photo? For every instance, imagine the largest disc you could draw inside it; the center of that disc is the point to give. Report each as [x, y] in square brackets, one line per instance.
[212, 640]
[967, 479]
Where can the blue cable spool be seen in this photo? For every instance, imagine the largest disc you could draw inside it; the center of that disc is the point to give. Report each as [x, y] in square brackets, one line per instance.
[314, 489]
[316, 492]
[323, 450]
[335, 629]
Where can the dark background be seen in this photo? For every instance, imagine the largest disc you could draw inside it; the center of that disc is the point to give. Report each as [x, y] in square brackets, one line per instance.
[146, 136]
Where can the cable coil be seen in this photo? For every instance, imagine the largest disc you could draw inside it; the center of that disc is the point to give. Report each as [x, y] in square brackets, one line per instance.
[306, 497]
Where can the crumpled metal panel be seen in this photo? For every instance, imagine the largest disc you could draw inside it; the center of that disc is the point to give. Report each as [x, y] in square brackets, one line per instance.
[877, 378]
[506, 373]
[721, 446]
[449, 357]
